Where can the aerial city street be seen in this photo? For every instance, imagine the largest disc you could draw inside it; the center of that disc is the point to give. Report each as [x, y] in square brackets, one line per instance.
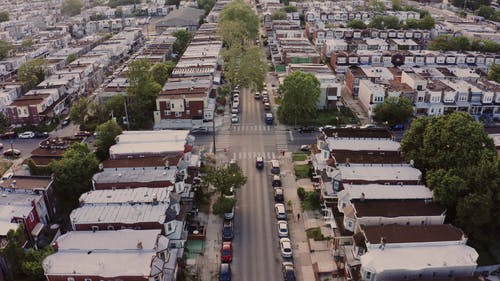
[247, 140]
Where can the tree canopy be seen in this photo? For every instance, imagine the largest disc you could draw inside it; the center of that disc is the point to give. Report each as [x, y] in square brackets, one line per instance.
[239, 11]
[470, 4]
[161, 71]
[31, 73]
[462, 168]
[394, 110]
[245, 66]
[73, 174]
[494, 73]
[279, 15]
[142, 93]
[463, 43]
[300, 97]
[385, 22]
[4, 16]
[5, 47]
[183, 37]
[71, 7]
[356, 24]
[106, 135]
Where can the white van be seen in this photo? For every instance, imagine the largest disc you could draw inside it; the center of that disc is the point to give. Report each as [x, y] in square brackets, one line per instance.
[275, 167]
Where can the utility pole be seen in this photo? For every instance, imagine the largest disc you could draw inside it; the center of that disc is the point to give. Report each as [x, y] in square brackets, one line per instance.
[213, 129]
[126, 113]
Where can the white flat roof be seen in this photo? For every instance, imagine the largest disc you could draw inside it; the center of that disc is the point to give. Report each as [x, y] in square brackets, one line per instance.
[107, 265]
[418, 258]
[138, 195]
[6, 226]
[136, 142]
[377, 172]
[124, 213]
[125, 239]
[380, 191]
[362, 144]
[137, 175]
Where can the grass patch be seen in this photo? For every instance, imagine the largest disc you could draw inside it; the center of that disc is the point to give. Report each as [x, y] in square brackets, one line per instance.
[312, 201]
[299, 156]
[4, 166]
[301, 171]
[334, 117]
[315, 233]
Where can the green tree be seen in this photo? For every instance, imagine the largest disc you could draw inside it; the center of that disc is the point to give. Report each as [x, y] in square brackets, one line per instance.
[73, 174]
[384, 22]
[279, 15]
[494, 73]
[27, 43]
[106, 135]
[206, 5]
[5, 47]
[71, 7]
[427, 22]
[289, 9]
[460, 43]
[222, 205]
[142, 93]
[240, 11]
[376, 6]
[441, 142]
[4, 16]
[470, 4]
[71, 58]
[183, 37]
[4, 122]
[475, 216]
[119, 12]
[486, 11]
[223, 178]
[14, 252]
[161, 71]
[394, 110]
[440, 43]
[115, 107]
[233, 33]
[252, 69]
[31, 73]
[32, 264]
[447, 187]
[356, 24]
[300, 97]
[79, 111]
[397, 5]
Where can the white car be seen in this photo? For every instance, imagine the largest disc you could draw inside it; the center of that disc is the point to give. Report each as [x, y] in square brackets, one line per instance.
[26, 135]
[279, 209]
[286, 248]
[234, 110]
[368, 126]
[236, 99]
[282, 229]
[234, 118]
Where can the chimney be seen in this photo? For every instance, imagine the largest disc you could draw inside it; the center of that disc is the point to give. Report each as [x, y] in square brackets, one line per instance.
[139, 245]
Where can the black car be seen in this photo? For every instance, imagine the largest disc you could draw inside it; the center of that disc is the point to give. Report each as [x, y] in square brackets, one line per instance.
[308, 129]
[225, 272]
[259, 163]
[278, 195]
[41, 135]
[8, 135]
[227, 231]
[288, 271]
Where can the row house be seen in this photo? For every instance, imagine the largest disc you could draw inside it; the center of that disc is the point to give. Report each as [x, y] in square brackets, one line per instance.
[330, 87]
[341, 60]
[109, 25]
[124, 254]
[35, 106]
[295, 51]
[315, 16]
[320, 35]
[356, 74]
[158, 50]
[188, 97]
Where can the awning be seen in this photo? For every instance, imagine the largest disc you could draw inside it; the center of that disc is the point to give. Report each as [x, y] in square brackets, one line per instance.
[38, 228]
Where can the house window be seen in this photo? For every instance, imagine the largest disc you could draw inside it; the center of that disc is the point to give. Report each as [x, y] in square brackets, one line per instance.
[368, 275]
[349, 223]
[88, 279]
[157, 278]
[110, 227]
[70, 279]
[167, 112]
[188, 112]
[19, 221]
[419, 88]
[169, 227]
[95, 228]
[187, 104]
[178, 114]
[32, 218]
[172, 105]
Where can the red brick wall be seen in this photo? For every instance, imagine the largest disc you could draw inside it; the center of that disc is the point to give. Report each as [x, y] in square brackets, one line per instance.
[194, 107]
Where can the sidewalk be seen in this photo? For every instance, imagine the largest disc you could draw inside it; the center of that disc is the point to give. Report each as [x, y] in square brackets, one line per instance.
[301, 254]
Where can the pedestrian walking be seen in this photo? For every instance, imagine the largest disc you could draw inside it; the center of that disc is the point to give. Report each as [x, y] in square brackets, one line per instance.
[298, 216]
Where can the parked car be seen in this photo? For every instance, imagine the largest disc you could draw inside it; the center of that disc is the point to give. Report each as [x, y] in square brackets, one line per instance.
[278, 195]
[83, 134]
[1, 145]
[276, 181]
[267, 106]
[234, 118]
[282, 229]
[286, 248]
[41, 135]
[279, 209]
[199, 130]
[227, 231]
[234, 110]
[9, 135]
[229, 215]
[226, 252]
[257, 96]
[12, 152]
[26, 135]
[305, 148]
[225, 272]
[259, 162]
[65, 122]
[368, 126]
[327, 127]
[398, 127]
[308, 129]
[288, 271]
[265, 99]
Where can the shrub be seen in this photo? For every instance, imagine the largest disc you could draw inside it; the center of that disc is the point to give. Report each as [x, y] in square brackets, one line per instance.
[301, 193]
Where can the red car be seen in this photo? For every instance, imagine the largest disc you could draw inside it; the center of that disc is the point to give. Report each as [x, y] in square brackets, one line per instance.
[226, 252]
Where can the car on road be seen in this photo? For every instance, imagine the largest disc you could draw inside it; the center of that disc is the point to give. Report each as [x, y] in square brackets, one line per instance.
[225, 272]
[368, 126]
[279, 209]
[327, 127]
[282, 229]
[308, 129]
[26, 135]
[235, 110]
[199, 130]
[305, 148]
[276, 181]
[288, 271]
[41, 135]
[267, 106]
[83, 134]
[259, 162]
[278, 195]
[9, 135]
[257, 96]
[265, 99]
[65, 122]
[12, 152]
[398, 127]
[226, 252]
[227, 231]
[234, 118]
[275, 167]
[229, 215]
[286, 248]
